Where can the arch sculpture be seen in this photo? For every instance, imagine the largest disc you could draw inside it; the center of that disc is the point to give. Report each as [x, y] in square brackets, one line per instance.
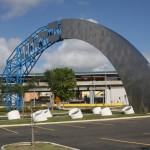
[130, 64]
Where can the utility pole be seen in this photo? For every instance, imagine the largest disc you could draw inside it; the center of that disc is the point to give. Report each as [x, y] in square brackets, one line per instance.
[105, 86]
[34, 91]
[32, 127]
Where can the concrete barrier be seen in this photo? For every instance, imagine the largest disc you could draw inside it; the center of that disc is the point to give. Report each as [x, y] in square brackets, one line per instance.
[97, 110]
[75, 113]
[47, 113]
[14, 114]
[128, 110]
[106, 111]
[39, 116]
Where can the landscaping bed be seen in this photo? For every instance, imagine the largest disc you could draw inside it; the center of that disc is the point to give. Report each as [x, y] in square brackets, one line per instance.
[37, 146]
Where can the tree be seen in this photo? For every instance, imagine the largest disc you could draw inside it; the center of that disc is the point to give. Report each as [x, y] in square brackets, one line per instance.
[2, 91]
[22, 89]
[62, 82]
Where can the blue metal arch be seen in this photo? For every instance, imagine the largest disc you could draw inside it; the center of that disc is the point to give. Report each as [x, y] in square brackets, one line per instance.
[25, 56]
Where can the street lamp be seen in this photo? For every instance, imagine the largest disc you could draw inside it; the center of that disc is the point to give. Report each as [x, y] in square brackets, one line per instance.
[94, 90]
[34, 91]
[105, 85]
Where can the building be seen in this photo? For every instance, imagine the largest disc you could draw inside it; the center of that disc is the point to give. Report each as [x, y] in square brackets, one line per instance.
[92, 87]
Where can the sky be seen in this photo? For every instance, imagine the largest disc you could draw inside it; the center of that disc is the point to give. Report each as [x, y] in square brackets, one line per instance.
[20, 18]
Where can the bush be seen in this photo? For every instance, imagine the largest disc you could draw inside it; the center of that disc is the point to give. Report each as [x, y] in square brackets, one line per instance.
[3, 109]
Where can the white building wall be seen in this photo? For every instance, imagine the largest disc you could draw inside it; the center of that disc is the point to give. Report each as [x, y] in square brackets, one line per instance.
[116, 94]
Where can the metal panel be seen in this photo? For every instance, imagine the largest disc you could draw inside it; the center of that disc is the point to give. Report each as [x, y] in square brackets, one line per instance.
[26, 48]
[36, 43]
[30, 39]
[22, 55]
[45, 34]
[53, 38]
[40, 34]
[53, 25]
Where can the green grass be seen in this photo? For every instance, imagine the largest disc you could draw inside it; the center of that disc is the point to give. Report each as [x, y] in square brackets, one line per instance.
[38, 146]
[17, 121]
[3, 111]
[67, 118]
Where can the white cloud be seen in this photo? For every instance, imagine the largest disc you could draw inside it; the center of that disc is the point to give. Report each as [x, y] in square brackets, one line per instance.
[91, 20]
[74, 54]
[6, 48]
[17, 8]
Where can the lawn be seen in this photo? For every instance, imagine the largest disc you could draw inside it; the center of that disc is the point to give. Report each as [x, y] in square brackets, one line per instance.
[38, 146]
[3, 111]
[67, 118]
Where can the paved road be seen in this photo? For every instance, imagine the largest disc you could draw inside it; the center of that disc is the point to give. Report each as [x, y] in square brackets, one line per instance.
[131, 134]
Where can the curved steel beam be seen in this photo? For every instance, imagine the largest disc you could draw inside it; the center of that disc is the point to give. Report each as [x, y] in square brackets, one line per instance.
[130, 64]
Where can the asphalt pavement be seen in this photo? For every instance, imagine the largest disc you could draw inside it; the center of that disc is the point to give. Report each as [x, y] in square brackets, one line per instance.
[129, 134]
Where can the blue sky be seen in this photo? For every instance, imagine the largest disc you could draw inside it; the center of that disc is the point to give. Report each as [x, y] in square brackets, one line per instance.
[19, 18]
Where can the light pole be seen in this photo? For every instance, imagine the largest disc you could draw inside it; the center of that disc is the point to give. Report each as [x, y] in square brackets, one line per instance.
[34, 91]
[105, 85]
[94, 91]
[32, 126]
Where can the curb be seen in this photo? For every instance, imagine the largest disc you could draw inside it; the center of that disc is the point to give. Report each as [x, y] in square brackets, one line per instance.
[28, 143]
[77, 121]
